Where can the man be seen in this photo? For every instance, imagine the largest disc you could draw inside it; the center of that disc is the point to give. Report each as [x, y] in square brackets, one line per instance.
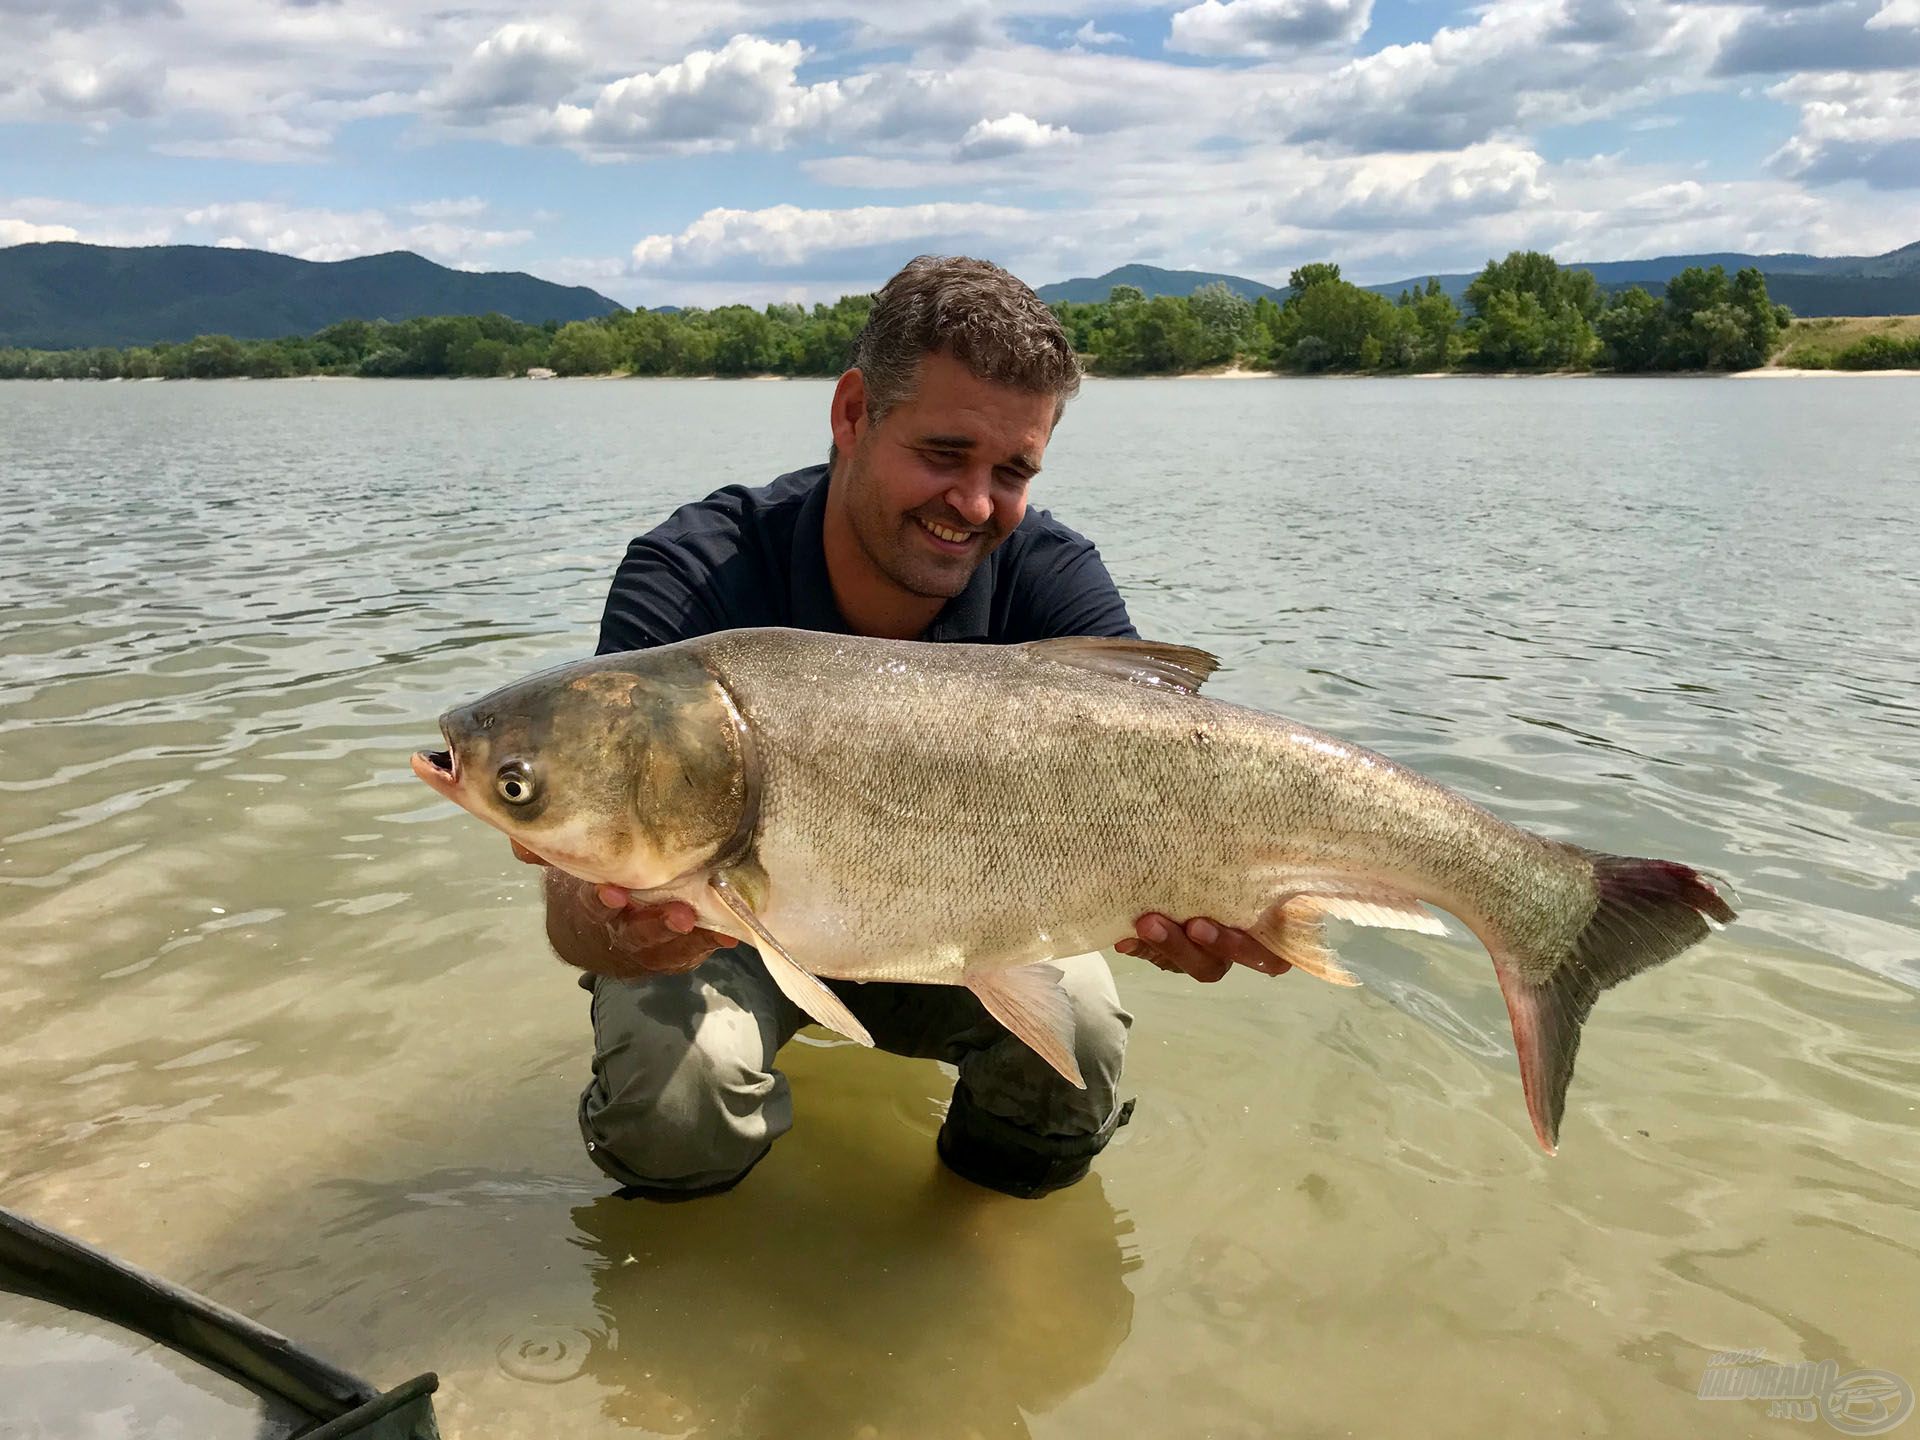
[917, 527]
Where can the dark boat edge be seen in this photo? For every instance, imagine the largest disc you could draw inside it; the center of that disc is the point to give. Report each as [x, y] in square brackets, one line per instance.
[48, 1265]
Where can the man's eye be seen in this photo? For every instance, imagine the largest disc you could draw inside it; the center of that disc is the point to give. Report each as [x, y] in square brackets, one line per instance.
[943, 459]
[1012, 479]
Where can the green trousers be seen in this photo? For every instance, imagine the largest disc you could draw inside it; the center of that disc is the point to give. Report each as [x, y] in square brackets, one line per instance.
[685, 1097]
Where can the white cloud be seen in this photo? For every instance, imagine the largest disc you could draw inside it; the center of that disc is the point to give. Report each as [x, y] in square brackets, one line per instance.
[1513, 67]
[80, 14]
[1396, 192]
[745, 93]
[515, 65]
[1012, 134]
[465, 208]
[130, 87]
[1267, 27]
[1895, 14]
[1853, 127]
[271, 139]
[1847, 35]
[1090, 34]
[25, 232]
[788, 237]
[316, 234]
[945, 32]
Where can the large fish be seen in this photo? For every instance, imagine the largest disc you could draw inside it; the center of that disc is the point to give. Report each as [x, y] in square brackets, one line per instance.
[962, 814]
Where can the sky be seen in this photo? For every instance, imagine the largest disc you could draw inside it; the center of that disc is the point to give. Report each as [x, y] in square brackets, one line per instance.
[803, 149]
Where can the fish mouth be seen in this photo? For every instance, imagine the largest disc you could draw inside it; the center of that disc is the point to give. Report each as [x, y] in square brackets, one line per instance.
[439, 768]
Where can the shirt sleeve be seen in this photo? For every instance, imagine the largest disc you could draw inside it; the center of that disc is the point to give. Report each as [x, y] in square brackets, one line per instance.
[658, 596]
[1069, 592]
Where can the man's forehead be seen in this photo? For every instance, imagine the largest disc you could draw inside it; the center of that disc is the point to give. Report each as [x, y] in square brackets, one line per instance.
[956, 409]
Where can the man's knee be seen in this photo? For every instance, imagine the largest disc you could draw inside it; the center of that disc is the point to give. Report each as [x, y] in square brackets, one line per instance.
[1100, 1028]
[1017, 1126]
[679, 1103]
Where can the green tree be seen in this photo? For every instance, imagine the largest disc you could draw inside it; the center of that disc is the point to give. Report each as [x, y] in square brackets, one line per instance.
[1717, 324]
[1224, 317]
[1529, 314]
[211, 357]
[1327, 323]
[1308, 276]
[1633, 331]
[1429, 324]
[583, 347]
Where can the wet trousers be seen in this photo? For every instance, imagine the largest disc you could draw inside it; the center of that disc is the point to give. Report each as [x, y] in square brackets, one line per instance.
[685, 1097]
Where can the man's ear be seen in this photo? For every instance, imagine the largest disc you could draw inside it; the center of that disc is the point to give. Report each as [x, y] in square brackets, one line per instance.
[849, 415]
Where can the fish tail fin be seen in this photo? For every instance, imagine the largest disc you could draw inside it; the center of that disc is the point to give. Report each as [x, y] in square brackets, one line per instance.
[1648, 911]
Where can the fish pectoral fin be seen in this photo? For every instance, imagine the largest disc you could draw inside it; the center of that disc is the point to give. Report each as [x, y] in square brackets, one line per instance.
[1142, 662]
[804, 990]
[1028, 1000]
[1296, 931]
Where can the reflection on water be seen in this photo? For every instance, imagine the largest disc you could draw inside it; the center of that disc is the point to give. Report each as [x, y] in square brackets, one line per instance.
[65, 1375]
[279, 1024]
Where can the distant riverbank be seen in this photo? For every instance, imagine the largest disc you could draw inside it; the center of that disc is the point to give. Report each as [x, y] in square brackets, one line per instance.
[1768, 372]
[1524, 315]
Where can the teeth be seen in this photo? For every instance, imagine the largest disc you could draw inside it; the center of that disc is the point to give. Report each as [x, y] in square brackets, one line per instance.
[952, 537]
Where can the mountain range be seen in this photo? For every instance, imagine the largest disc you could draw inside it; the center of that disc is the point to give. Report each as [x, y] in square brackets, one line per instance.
[1886, 284]
[61, 295]
[64, 295]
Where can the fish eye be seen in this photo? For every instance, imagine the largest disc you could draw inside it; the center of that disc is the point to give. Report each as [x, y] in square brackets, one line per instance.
[514, 782]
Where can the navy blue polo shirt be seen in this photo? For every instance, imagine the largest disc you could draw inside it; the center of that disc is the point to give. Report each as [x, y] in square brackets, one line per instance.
[745, 557]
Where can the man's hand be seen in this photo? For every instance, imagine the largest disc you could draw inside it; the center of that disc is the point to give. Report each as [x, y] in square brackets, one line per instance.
[1202, 949]
[598, 928]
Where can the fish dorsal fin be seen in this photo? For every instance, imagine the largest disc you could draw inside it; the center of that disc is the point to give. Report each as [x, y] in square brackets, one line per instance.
[1028, 1000]
[1142, 662]
[804, 990]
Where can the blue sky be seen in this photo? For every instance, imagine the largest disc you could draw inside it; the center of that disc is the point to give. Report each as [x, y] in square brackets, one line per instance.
[801, 149]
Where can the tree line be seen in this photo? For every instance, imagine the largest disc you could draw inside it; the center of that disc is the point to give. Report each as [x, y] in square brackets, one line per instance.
[1525, 312]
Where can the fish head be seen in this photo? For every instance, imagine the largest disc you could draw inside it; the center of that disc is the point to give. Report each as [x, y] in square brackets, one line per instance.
[631, 770]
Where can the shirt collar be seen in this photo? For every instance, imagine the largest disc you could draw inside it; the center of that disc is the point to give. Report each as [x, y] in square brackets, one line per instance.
[967, 616]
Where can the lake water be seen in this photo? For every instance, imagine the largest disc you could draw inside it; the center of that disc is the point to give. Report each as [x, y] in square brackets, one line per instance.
[279, 1024]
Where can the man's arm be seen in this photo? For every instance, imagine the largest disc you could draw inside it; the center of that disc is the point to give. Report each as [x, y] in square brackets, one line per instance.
[623, 941]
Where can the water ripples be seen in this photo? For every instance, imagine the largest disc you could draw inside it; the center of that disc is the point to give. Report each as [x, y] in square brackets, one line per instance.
[250, 956]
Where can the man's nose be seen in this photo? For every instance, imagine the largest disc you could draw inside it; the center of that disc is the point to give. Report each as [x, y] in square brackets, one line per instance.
[972, 500]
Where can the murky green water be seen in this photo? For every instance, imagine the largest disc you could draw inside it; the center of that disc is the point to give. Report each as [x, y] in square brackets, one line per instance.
[281, 1026]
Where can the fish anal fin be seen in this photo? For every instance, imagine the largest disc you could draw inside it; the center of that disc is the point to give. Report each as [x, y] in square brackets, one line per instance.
[804, 990]
[1384, 909]
[1028, 1000]
[1141, 662]
[1296, 931]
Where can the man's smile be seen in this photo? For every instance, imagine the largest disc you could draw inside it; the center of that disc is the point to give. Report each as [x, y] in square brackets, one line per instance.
[946, 537]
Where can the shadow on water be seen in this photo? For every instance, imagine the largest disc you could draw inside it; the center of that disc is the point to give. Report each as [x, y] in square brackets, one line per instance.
[937, 1312]
[850, 1286]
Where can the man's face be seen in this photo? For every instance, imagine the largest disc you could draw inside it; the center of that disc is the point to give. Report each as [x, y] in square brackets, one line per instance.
[937, 483]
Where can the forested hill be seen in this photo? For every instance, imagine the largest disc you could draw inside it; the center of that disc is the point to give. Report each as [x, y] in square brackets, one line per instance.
[62, 296]
[1150, 281]
[1886, 284]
